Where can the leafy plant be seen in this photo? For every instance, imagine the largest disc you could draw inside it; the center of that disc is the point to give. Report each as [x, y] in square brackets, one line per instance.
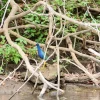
[59, 2]
[10, 53]
[31, 52]
[29, 32]
[2, 39]
[2, 8]
[21, 42]
[37, 34]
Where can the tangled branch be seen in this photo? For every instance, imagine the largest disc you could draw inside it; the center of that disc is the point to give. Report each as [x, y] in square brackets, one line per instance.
[52, 36]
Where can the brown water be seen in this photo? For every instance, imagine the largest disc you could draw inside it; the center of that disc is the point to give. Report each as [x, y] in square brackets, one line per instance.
[72, 92]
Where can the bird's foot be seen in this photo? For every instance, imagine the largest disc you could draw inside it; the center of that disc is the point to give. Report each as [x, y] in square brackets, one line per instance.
[43, 66]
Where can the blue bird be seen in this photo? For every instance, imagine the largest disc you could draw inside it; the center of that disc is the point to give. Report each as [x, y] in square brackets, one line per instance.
[41, 53]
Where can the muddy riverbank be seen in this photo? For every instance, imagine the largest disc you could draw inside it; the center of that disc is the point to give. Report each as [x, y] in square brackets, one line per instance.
[72, 92]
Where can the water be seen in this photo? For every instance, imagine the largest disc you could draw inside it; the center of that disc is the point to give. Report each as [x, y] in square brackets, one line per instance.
[72, 92]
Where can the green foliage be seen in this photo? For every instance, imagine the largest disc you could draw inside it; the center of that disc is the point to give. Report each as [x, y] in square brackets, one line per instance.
[41, 38]
[3, 3]
[31, 52]
[33, 1]
[82, 2]
[10, 53]
[59, 2]
[21, 42]
[71, 4]
[29, 32]
[36, 19]
[39, 35]
[2, 10]
[71, 28]
[97, 2]
[2, 39]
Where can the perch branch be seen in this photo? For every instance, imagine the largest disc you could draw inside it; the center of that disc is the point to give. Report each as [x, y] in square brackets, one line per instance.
[53, 47]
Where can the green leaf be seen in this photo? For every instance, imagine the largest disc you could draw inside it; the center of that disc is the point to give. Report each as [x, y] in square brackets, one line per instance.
[21, 40]
[16, 60]
[59, 2]
[1, 51]
[3, 40]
